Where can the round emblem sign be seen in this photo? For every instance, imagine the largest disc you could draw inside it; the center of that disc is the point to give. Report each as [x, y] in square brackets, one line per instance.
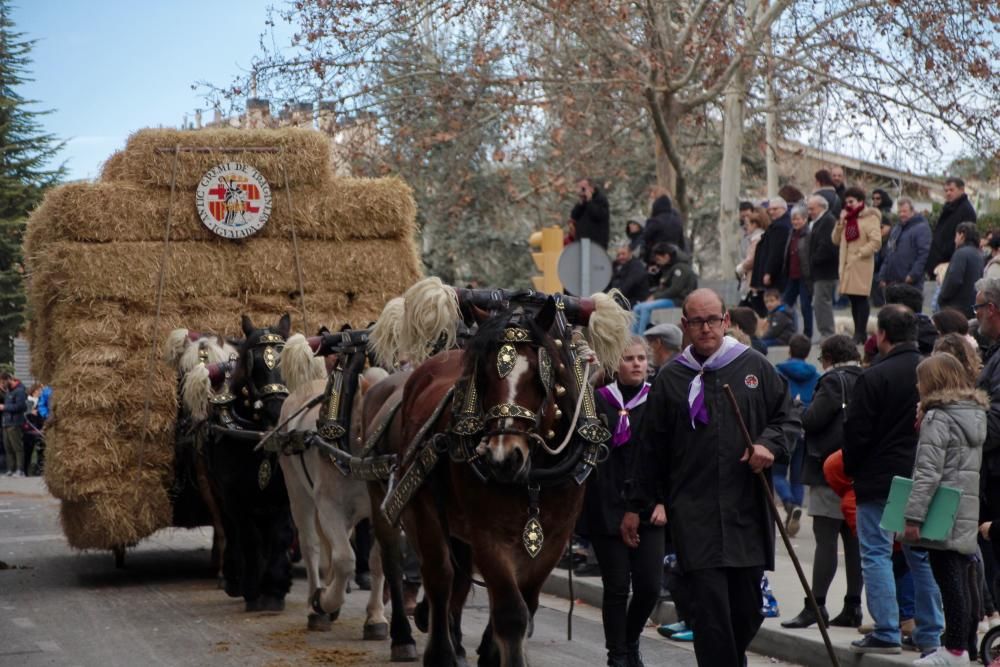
[751, 381]
[234, 200]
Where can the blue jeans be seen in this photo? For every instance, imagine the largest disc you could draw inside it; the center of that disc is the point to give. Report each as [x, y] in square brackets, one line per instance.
[788, 477]
[644, 311]
[928, 610]
[880, 585]
[800, 289]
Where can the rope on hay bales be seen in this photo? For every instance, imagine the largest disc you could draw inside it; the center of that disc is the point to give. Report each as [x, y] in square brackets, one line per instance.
[295, 247]
[164, 258]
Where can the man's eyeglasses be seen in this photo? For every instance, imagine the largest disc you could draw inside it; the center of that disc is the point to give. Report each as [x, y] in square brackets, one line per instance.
[977, 306]
[699, 323]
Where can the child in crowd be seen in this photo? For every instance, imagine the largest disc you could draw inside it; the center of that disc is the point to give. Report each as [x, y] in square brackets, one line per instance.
[780, 325]
[802, 378]
[949, 453]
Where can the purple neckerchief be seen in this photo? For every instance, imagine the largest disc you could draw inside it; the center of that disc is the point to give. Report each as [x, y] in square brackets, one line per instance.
[613, 395]
[725, 355]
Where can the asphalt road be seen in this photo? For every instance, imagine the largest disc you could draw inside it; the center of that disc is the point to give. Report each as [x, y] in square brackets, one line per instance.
[61, 607]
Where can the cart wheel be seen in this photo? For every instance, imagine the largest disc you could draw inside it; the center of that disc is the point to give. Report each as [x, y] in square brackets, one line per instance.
[119, 553]
[989, 650]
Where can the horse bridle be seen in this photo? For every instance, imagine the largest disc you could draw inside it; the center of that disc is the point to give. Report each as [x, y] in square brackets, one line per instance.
[273, 344]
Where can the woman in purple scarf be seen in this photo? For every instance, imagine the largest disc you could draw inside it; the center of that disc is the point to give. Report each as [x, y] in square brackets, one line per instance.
[623, 403]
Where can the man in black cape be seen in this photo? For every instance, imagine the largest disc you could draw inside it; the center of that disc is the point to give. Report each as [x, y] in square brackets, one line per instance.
[717, 511]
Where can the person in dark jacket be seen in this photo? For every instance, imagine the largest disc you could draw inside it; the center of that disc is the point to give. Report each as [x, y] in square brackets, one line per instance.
[912, 298]
[592, 214]
[677, 280]
[623, 404]
[958, 289]
[633, 232]
[880, 442]
[15, 406]
[663, 226]
[780, 326]
[824, 261]
[823, 423]
[798, 286]
[774, 241]
[988, 315]
[907, 249]
[716, 508]
[957, 209]
[745, 319]
[839, 181]
[883, 202]
[628, 274]
[826, 189]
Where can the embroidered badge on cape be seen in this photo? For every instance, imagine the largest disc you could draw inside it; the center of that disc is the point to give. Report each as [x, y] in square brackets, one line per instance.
[751, 381]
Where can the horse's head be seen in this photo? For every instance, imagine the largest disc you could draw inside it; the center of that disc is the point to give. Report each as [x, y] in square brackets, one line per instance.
[257, 376]
[516, 365]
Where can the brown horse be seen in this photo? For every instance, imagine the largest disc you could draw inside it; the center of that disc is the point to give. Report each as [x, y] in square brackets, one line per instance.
[512, 423]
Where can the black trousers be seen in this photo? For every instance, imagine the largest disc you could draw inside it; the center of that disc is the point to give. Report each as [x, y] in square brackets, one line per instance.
[860, 310]
[620, 566]
[952, 572]
[726, 604]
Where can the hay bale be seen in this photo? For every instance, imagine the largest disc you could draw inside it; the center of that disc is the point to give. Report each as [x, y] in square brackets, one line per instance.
[344, 209]
[305, 156]
[122, 515]
[130, 271]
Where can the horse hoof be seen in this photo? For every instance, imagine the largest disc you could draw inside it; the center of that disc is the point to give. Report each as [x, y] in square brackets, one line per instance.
[232, 588]
[404, 653]
[421, 616]
[376, 632]
[271, 603]
[253, 605]
[334, 615]
[316, 601]
[319, 622]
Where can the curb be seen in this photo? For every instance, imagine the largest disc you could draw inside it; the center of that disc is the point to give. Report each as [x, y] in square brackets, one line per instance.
[798, 648]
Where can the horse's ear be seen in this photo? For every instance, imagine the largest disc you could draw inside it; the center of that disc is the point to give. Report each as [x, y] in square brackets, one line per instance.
[284, 325]
[248, 327]
[346, 327]
[547, 315]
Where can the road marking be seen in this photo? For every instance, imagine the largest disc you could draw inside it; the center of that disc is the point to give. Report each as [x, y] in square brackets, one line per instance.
[32, 538]
[49, 646]
[25, 623]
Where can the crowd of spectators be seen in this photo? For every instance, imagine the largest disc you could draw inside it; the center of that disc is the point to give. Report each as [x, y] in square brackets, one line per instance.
[24, 413]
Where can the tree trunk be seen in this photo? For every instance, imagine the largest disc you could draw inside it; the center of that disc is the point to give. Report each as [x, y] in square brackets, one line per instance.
[732, 161]
[770, 118]
[669, 174]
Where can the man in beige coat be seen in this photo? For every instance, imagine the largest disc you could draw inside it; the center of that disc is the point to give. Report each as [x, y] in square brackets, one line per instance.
[859, 235]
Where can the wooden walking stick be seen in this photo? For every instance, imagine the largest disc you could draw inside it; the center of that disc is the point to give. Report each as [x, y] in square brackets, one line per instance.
[769, 495]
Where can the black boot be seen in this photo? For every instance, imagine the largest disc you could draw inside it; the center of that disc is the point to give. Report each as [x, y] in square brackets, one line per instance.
[616, 659]
[634, 657]
[850, 617]
[806, 617]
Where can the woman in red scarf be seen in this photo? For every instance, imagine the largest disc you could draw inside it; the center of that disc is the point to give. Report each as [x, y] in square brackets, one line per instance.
[858, 233]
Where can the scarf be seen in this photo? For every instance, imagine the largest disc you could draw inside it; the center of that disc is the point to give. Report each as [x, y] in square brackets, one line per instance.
[852, 231]
[725, 355]
[613, 395]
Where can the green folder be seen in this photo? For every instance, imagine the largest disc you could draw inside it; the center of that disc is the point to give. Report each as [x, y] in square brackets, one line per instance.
[940, 515]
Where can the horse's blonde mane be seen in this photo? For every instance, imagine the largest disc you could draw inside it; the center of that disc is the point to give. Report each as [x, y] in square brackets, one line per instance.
[609, 330]
[177, 341]
[385, 337]
[299, 365]
[196, 387]
[430, 313]
[216, 351]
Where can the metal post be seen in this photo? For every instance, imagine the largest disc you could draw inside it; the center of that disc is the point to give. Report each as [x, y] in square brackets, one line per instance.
[584, 267]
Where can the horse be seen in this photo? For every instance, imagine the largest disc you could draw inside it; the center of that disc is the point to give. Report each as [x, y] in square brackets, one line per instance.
[326, 503]
[186, 351]
[255, 504]
[481, 480]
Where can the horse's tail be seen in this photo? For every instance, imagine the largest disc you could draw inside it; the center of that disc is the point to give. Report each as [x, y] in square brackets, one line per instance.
[384, 342]
[177, 341]
[299, 365]
[195, 390]
[430, 315]
[609, 330]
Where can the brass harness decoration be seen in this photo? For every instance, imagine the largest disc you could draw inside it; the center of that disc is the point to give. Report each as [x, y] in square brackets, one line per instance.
[506, 359]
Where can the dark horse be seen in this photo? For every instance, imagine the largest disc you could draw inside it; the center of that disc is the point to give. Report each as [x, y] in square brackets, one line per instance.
[501, 436]
[256, 514]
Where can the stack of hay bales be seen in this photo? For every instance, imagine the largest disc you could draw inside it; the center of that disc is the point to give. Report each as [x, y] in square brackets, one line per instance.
[94, 252]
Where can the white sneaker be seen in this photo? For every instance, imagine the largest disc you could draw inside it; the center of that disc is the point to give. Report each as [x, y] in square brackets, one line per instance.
[943, 656]
[19, 474]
